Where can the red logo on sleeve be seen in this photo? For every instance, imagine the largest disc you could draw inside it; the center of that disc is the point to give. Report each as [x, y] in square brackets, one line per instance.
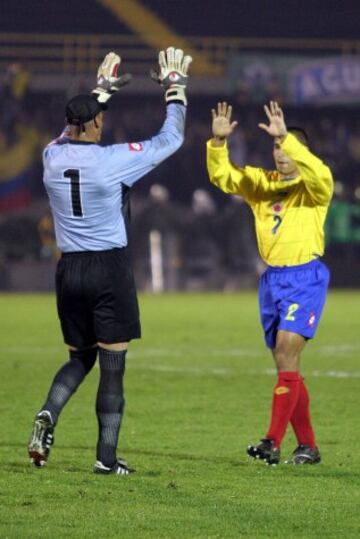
[135, 147]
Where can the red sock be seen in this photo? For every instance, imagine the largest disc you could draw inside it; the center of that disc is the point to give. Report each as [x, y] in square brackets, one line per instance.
[285, 397]
[300, 420]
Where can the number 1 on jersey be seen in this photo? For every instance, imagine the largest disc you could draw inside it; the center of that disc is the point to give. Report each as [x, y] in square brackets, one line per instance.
[74, 175]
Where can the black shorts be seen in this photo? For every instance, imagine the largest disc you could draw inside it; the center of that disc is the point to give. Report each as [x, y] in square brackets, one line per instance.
[96, 298]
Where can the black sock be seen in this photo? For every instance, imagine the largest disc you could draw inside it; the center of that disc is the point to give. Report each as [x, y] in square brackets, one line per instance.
[110, 403]
[68, 379]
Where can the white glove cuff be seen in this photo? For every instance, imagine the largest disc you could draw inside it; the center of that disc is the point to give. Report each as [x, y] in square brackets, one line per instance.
[176, 93]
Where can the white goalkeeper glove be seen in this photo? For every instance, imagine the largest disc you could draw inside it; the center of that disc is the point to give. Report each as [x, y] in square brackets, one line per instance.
[108, 81]
[173, 74]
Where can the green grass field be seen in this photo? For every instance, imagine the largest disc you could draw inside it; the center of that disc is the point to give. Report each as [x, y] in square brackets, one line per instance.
[199, 387]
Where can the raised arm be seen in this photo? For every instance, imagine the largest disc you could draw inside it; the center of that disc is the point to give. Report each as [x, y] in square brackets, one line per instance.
[222, 173]
[138, 158]
[173, 78]
[108, 82]
[315, 174]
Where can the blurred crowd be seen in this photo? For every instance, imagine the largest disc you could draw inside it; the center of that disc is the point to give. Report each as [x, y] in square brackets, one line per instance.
[205, 238]
[199, 246]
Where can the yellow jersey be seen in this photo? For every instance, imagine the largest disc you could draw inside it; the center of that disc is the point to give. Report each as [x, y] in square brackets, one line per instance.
[289, 214]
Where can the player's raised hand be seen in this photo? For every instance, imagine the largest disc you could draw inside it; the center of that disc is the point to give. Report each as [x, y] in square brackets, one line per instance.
[173, 74]
[222, 126]
[108, 79]
[277, 126]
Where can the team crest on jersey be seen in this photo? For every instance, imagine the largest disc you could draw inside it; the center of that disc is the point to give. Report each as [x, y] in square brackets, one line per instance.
[312, 319]
[277, 207]
[135, 147]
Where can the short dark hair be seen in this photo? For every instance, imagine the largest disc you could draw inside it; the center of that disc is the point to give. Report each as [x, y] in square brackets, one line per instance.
[299, 133]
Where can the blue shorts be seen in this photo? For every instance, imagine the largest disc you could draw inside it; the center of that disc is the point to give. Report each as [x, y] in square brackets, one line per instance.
[292, 298]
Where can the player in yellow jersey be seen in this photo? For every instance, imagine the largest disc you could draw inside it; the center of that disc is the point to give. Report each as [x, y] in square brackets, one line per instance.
[289, 205]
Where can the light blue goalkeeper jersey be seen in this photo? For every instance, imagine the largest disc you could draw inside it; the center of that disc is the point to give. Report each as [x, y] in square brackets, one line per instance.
[87, 183]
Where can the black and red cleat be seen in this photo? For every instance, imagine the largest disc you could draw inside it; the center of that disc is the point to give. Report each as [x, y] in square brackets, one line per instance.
[304, 454]
[41, 440]
[266, 451]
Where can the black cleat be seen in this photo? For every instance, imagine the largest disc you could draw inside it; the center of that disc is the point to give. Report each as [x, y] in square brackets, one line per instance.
[42, 438]
[304, 454]
[120, 468]
[266, 451]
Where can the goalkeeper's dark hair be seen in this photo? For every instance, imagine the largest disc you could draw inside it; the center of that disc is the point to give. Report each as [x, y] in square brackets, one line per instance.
[299, 133]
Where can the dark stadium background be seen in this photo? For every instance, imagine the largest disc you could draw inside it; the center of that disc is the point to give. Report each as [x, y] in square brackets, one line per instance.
[50, 50]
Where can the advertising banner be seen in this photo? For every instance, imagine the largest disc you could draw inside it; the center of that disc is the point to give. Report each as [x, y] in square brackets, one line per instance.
[296, 79]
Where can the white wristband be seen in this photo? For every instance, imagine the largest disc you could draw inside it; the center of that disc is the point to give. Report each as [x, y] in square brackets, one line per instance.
[176, 93]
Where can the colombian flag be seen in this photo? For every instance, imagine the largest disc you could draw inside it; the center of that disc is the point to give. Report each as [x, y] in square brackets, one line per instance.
[16, 161]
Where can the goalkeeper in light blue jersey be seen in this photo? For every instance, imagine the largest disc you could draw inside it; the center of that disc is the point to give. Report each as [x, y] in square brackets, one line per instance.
[88, 187]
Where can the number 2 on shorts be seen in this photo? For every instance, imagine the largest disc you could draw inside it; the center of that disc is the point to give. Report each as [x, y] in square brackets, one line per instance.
[291, 310]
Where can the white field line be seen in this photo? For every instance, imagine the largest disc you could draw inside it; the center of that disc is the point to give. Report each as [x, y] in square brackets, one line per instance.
[224, 371]
[243, 353]
[246, 353]
[176, 352]
[325, 350]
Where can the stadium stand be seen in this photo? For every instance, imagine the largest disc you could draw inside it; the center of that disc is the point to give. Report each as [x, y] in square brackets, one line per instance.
[77, 34]
[256, 18]
[67, 16]
[253, 18]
